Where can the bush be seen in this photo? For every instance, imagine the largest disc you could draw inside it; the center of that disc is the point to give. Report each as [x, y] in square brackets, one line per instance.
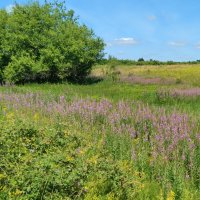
[20, 69]
[3, 54]
[59, 164]
[52, 37]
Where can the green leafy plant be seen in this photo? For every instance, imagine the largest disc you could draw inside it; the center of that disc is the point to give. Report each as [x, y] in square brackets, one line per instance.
[51, 36]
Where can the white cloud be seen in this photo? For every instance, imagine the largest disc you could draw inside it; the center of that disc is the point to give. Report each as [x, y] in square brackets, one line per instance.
[177, 43]
[151, 17]
[9, 8]
[125, 41]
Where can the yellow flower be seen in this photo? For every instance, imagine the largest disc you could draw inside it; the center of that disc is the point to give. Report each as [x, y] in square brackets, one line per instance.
[18, 192]
[36, 117]
[69, 158]
[171, 195]
[135, 141]
[93, 160]
[10, 116]
[111, 196]
[2, 176]
[81, 152]
[124, 165]
[160, 195]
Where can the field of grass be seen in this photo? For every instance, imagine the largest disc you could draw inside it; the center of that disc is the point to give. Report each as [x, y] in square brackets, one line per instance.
[128, 136]
[186, 73]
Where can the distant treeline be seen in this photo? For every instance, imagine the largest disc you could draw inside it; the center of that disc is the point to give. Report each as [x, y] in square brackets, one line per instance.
[114, 61]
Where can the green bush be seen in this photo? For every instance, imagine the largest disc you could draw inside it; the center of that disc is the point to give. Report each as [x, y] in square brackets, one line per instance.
[52, 37]
[20, 69]
[55, 163]
[3, 55]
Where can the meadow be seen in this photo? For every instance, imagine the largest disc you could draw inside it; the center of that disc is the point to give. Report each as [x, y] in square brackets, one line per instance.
[132, 132]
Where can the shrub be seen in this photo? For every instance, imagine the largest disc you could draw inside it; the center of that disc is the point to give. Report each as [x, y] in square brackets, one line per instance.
[3, 54]
[52, 37]
[20, 69]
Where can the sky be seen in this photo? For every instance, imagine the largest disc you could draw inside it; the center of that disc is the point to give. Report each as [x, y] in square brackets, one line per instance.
[150, 29]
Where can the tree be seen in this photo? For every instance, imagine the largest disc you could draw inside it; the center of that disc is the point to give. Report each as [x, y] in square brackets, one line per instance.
[141, 60]
[20, 69]
[58, 47]
[4, 58]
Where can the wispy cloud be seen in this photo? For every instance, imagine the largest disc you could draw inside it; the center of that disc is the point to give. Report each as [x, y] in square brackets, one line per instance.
[125, 41]
[151, 17]
[9, 8]
[177, 43]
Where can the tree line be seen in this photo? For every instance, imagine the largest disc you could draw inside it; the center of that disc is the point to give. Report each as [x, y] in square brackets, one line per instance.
[111, 60]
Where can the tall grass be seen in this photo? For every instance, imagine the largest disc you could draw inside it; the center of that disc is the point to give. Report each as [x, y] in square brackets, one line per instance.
[53, 148]
[103, 140]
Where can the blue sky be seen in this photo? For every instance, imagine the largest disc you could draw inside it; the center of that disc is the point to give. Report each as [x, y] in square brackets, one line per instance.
[157, 29]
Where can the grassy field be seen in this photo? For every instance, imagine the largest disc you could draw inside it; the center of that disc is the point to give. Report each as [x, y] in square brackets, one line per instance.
[187, 74]
[132, 135]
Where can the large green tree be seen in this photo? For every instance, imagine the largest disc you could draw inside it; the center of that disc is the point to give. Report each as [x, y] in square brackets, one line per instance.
[46, 43]
[4, 57]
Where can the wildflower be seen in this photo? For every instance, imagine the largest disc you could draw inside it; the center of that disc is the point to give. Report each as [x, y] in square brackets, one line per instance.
[36, 117]
[18, 192]
[81, 151]
[2, 176]
[171, 195]
[93, 160]
[10, 116]
[135, 141]
[69, 158]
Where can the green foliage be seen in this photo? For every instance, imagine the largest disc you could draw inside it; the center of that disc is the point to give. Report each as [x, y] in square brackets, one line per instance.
[3, 54]
[140, 62]
[51, 36]
[20, 69]
[55, 163]
[45, 155]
